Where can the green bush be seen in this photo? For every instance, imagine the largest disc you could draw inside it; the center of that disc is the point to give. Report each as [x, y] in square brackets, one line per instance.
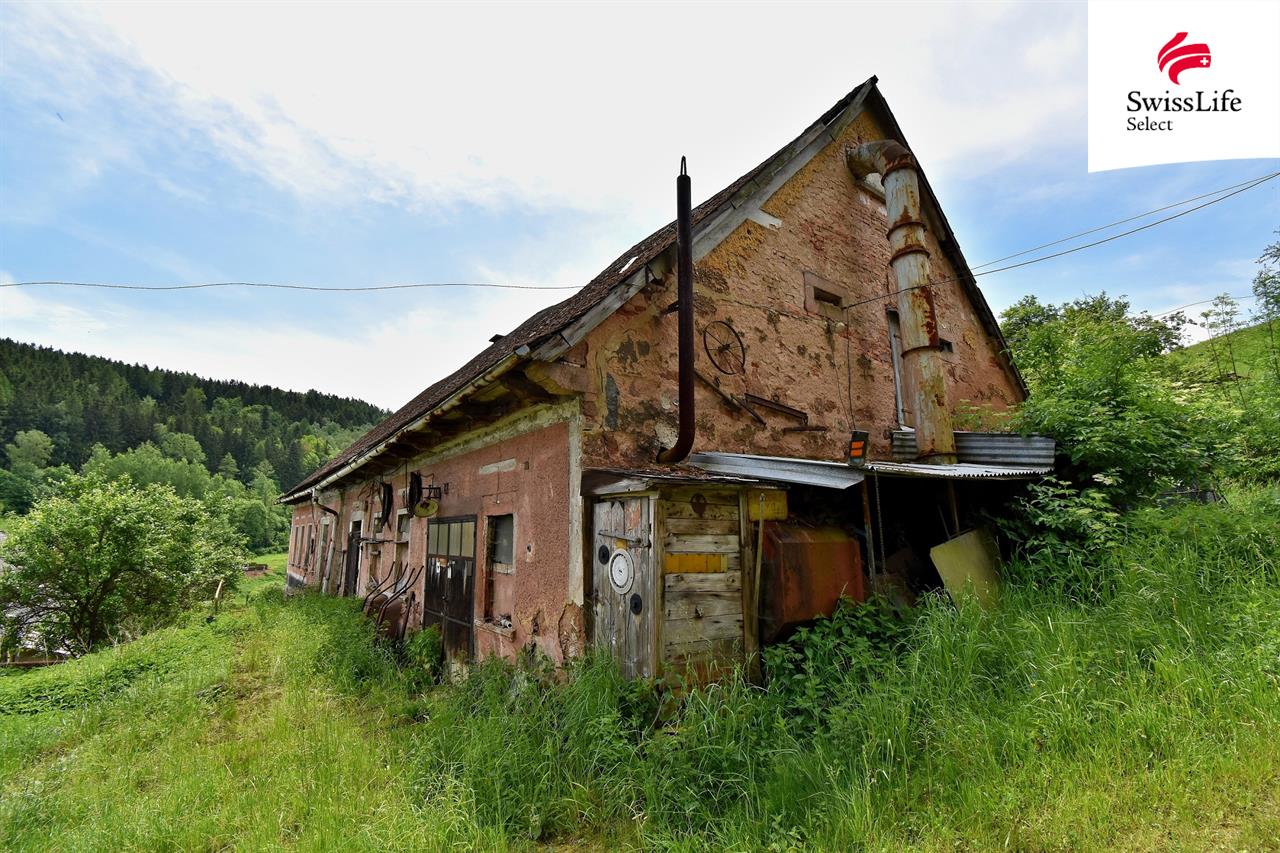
[424, 656]
[105, 561]
[819, 662]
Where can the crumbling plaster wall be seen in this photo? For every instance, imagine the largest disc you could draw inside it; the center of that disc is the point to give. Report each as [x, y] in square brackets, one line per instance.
[832, 228]
[521, 467]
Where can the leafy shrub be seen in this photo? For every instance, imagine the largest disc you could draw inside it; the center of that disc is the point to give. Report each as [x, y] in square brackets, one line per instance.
[424, 656]
[1101, 387]
[820, 661]
[1058, 530]
[104, 561]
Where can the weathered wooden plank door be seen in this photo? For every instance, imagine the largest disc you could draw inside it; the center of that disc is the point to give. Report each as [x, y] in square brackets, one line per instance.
[623, 583]
[352, 575]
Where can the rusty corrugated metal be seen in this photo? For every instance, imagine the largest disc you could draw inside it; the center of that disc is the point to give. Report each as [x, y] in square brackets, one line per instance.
[987, 448]
[806, 571]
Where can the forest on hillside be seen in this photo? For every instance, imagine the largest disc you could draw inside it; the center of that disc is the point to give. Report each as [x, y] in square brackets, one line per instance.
[68, 414]
[82, 400]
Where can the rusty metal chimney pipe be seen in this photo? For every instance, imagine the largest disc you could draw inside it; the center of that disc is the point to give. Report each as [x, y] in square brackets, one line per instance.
[921, 354]
[684, 297]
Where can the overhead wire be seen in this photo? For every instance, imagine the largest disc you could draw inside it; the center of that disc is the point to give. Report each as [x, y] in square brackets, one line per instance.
[1240, 189]
[272, 285]
[1114, 224]
[1221, 195]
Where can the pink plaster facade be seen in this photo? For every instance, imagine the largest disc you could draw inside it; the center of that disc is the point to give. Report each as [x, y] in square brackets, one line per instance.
[524, 475]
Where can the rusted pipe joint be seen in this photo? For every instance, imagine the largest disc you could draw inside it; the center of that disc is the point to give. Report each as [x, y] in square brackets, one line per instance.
[908, 250]
[883, 158]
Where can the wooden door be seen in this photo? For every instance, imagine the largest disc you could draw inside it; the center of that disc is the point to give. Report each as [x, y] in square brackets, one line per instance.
[623, 583]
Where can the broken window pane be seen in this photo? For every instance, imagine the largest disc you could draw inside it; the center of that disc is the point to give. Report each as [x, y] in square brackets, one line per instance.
[502, 530]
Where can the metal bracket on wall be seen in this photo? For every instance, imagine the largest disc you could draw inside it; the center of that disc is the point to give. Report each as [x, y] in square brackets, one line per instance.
[733, 401]
[781, 408]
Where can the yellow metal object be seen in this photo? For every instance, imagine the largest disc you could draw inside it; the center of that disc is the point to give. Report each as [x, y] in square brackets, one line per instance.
[773, 506]
[969, 565]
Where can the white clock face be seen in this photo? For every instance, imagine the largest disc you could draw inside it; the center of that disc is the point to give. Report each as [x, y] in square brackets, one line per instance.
[621, 572]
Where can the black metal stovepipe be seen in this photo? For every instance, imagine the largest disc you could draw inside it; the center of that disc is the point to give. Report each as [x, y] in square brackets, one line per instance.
[684, 296]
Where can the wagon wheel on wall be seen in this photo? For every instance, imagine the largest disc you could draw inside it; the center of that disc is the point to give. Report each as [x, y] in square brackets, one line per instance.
[725, 349]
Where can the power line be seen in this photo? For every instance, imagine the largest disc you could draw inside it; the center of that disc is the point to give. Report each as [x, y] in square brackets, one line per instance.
[1201, 302]
[310, 287]
[1229, 192]
[1248, 186]
[1118, 222]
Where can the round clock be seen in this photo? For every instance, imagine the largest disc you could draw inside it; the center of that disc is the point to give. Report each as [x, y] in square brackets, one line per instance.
[622, 572]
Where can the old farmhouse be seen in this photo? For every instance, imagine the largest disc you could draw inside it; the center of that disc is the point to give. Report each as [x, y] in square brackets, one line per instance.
[681, 479]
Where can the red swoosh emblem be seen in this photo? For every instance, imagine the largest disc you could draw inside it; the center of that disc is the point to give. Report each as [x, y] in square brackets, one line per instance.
[1179, 57]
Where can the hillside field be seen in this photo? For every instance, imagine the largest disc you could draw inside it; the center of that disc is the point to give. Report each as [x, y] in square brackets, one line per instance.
[1249, 349]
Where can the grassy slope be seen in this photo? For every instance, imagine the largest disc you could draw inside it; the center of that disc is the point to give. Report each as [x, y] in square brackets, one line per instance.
[1145, 722]
[232, 738]
[1251, 348]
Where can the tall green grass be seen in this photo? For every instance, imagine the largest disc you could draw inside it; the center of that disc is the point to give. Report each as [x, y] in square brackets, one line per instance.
[1058, 721]
[1129, 699]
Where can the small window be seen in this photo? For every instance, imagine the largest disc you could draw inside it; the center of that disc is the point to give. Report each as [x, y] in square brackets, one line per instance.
[502, 537]
[502, 530]
[402, 527]
[945, 345]
[826, 297]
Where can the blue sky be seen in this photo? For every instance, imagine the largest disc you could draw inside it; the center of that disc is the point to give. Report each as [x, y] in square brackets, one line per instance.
[344, 146]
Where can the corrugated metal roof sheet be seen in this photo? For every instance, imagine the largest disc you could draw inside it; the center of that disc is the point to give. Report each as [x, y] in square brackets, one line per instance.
[959, 471]
[805, 472]
[986, 448]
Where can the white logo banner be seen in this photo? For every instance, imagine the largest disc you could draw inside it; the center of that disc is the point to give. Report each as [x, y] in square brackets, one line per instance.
[1183, 81]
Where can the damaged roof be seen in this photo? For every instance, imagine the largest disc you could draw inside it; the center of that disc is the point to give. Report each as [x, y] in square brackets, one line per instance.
[550, 321]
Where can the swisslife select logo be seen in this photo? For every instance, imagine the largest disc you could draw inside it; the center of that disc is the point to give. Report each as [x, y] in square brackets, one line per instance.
[1158, 93]
[1176, 57]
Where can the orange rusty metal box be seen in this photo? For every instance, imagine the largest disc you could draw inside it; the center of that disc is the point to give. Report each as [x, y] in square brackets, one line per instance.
[804, 573]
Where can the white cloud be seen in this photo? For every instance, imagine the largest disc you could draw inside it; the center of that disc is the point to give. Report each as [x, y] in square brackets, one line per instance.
[543, 108]
[21, 310]
[587, 107]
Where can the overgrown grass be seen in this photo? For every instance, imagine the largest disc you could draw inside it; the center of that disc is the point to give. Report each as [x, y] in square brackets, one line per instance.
[1125, 700]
